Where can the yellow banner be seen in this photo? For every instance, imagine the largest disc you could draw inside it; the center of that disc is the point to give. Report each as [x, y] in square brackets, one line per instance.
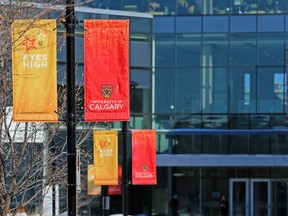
[105, 157]
[34, 70]
[92, 189]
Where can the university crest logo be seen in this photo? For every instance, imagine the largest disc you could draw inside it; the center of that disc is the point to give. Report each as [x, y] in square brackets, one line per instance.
[106, 90]
[144, 167]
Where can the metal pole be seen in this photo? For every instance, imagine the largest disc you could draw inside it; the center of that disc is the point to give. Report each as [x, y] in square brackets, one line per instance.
[71, 110]
[53, 147]
[105, 200]
[125, 180]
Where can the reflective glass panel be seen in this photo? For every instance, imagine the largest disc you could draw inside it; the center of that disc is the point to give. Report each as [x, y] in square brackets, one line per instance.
[164, 50]
[188, 50]
[242, 7]
[188, 90]
[214, 90]
[272, 23]
[163, 24]
[242, 90]
[164, 90]
[270, 91]
[271, 49]
[215, 24]
[243, 49]
[219, 7]
[140, 25]
[270, 6]
[243, 24]
[215, 50]
[143, 58]
[188, 24]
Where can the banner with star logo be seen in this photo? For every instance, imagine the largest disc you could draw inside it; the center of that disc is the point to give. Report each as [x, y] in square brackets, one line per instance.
[144, 157]
[106, 70]
[105, 157]
[34, 70]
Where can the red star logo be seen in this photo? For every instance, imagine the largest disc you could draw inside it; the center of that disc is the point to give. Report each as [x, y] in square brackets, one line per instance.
[29, 44]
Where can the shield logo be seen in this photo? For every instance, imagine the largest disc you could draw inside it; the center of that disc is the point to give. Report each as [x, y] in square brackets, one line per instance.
[106, 90]
[144, 167]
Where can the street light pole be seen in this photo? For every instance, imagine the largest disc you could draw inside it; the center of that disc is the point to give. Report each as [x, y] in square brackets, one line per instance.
[125, 180]
[71, 108]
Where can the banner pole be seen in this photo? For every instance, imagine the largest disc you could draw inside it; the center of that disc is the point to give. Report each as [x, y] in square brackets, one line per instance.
[125, 179]
[71, 110]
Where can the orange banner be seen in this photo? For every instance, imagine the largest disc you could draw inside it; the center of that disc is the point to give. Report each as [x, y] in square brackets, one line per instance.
[144, 157]
[92, 189]
[105, 157]
[34, 70]
[106, 70]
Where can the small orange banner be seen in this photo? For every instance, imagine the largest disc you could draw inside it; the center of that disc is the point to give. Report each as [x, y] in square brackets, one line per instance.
[106, 70]
[92, 189]
[144, 157]
[105, 157]
[34, 70]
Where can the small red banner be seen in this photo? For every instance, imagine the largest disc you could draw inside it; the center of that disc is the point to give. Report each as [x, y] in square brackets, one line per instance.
[144, 157]
[106, 70]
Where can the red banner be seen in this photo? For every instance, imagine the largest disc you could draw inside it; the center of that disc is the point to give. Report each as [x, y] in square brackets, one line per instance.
[144, 157]
[106, 73]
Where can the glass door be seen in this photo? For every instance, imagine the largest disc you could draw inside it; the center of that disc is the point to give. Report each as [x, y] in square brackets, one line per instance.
[260, 197]
[239, 197]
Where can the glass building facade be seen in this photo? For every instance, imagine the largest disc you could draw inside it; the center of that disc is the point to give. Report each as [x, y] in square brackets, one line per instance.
[212, 80]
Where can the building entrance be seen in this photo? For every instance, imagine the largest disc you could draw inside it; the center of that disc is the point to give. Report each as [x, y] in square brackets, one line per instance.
[249, 197]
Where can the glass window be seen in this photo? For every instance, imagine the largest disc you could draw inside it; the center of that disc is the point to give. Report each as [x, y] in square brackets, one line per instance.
[188, 90]
[243, 49]
[142, 77]
[187, 185]
[164, 90]
[272, 23]
[163, 24]
[188, 121]
[271, 49]
[219, 7]
[143, 58]
[259, 144]
[242, 90]
[270, 91]
[215, 50]
[187, 144]
[184, 7]
[215, 24]
[140, 25]
[214, 90]
[215, 121]
[215, 144]
[136, 5]
[286, 18]
[239, 121]
[188, 50]
[243, 24]
[212, 189]
[164, 50]
[271, 6]
[240, 7]
[188, 24]
[239, 144]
